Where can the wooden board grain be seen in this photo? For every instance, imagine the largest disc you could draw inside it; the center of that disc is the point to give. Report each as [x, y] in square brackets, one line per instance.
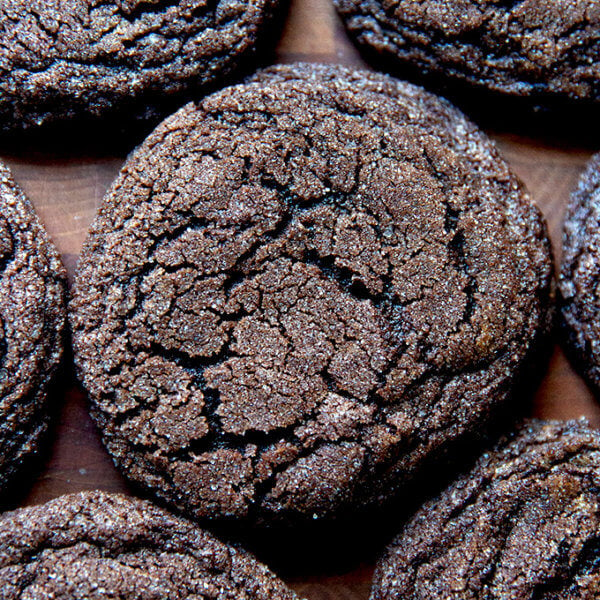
[66, 187]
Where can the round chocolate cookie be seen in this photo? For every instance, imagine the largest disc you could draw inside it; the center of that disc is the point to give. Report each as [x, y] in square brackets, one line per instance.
[95, 546]
[32, 321]
[580, 269]
[302, 289]
[529, 48]
[524, 524]
[83, 58]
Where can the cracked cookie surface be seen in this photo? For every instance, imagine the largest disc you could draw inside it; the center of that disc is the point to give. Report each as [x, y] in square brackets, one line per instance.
[525, 48]
[524, 524]
[92, 58]
[94, 545]
[302, 289]
[32, 321]
[580, 269]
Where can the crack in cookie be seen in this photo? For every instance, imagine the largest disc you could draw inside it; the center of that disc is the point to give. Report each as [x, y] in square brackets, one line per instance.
[96, 545]
[82, 59]
[528, 48]
[524, 524]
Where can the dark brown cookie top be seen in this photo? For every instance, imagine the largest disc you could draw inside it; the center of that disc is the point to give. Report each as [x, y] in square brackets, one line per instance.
[85, 58]
[301, 289]
[32, 320]
[532, 48]
[580, 269]
[524, 524]
[95, 546]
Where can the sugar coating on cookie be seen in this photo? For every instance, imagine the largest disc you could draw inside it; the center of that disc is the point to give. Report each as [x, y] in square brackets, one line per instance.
[524, 48]
[32, 322]
[94, 545]
[301, 290]
[580, 268]
[523, 524]
[82, 59]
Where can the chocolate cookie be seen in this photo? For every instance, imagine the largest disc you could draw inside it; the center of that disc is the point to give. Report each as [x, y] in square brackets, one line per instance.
[300, 290]
[32, 320]
[64, 60]
[95, 545]
[524, 524]
[529, 48]
[580, 269]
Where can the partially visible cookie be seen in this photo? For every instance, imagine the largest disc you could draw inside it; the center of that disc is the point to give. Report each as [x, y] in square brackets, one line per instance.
[302, 290]
[32, 321]
[96, 546]
[524, 524]
[580, 274]
[540, 49]
[86, 59]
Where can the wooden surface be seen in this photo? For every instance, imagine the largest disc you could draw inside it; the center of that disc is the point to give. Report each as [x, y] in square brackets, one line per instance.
[67, 186]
